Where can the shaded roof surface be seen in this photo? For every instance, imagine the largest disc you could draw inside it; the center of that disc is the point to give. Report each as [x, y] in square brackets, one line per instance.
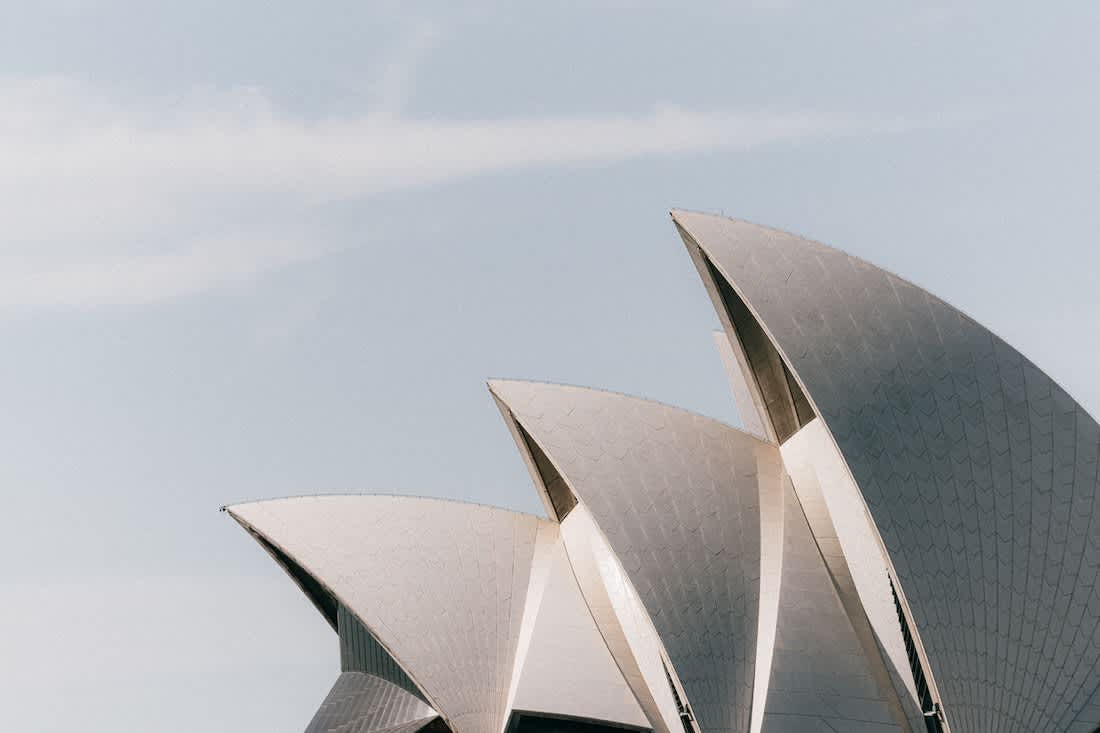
[676, 495]
[980, 472]
[442, 585]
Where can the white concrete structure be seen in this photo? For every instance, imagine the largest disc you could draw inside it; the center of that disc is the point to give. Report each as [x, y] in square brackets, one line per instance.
[441, 585]
[881, 550]
[566, 639]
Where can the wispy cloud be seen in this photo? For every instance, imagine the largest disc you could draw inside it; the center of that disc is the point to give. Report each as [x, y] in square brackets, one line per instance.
[74, 279]
[108, 199]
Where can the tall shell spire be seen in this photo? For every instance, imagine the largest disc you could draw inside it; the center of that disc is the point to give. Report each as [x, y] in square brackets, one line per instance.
[980, 472]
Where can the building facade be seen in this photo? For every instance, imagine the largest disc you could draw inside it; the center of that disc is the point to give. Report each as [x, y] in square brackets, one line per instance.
[899, 540]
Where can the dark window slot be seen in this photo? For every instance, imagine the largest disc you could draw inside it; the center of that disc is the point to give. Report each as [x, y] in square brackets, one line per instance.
[682, 708]
[933, 713]
[531, 722]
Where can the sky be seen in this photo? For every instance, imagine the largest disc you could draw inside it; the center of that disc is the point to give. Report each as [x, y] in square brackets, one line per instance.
[254, 249]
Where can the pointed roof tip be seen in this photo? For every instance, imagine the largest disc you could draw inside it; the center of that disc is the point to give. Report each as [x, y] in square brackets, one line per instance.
[235, 510]
[678, 215]
[498, 385]
[505, 390]
[687, 220]
[707, 230]
[230, 510]
[510, 391]
[684, 214]
[493, 382]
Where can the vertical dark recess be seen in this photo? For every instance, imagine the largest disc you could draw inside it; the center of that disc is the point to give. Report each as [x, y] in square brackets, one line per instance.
[786, 404]
[681, 707]
[316, 593]
[561, 496]
[933, 715]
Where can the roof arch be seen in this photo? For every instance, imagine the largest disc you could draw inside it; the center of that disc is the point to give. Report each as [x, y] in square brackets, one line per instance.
[980, 472]
[441, 585]
[676, 495]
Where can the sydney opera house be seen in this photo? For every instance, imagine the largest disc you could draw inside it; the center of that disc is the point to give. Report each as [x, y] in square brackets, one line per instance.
[900, 538]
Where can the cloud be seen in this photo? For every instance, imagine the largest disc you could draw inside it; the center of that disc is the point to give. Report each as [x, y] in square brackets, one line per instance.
[30, 281]
[109, 199]
[237, 142]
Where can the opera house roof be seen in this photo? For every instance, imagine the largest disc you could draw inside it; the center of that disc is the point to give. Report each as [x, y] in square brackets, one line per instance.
[899, 539]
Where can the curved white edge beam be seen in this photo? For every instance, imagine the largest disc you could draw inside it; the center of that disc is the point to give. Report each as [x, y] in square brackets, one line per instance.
[772, 532]
[564, 639]
[542, 564]
[834, 509]
[624, 625]
[823, 677]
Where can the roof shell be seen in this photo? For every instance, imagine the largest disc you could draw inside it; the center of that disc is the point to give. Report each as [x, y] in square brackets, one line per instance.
[677, 496]
[442, 585]
[980, 472]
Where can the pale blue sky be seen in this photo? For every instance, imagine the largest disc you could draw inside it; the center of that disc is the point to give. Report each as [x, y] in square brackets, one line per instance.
[249, 250]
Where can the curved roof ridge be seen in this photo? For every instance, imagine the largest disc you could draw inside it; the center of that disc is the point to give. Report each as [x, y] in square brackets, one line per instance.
[385, 607]
[625, 395]
[380, 495]
[251, 528]
[648, 473]
[816, 242]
